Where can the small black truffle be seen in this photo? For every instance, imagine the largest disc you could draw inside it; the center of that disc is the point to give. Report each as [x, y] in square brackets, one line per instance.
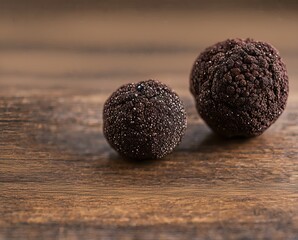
[240, 87]
[144, 121]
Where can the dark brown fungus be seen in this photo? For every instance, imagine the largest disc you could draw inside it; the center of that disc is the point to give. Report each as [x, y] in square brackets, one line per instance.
[144, 120]
[240, 87]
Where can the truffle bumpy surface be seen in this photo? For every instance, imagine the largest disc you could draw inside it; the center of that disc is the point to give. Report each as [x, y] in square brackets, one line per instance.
[240, 87]
[143, 121]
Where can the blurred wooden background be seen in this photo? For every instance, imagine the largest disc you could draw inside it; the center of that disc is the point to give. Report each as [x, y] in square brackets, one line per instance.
[60, 60]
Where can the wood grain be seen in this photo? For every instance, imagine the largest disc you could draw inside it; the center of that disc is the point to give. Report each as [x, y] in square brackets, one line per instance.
[59, 179]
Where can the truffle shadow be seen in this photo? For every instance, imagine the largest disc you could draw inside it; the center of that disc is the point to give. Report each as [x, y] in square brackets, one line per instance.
[114, 157]
[199, 138]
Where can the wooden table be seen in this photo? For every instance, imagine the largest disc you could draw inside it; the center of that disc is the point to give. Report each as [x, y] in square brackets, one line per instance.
[59, 179]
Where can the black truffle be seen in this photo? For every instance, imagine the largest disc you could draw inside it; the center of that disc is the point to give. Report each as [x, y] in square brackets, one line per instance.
[144, 121]
[240, 87]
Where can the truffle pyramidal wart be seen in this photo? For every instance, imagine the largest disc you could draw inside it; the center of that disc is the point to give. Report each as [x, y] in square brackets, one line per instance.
[144, 120]
[240, 87]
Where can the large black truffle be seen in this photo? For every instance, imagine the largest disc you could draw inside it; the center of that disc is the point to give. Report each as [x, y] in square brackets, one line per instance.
[144, 121]
[240, 87]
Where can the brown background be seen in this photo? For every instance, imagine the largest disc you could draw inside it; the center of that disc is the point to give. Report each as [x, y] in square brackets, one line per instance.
[60, 60]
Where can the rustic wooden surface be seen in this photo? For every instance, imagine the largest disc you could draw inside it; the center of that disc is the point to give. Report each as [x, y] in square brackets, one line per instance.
[59, 179]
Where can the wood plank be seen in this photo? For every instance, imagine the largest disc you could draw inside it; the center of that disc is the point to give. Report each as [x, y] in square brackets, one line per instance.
[57, 170]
